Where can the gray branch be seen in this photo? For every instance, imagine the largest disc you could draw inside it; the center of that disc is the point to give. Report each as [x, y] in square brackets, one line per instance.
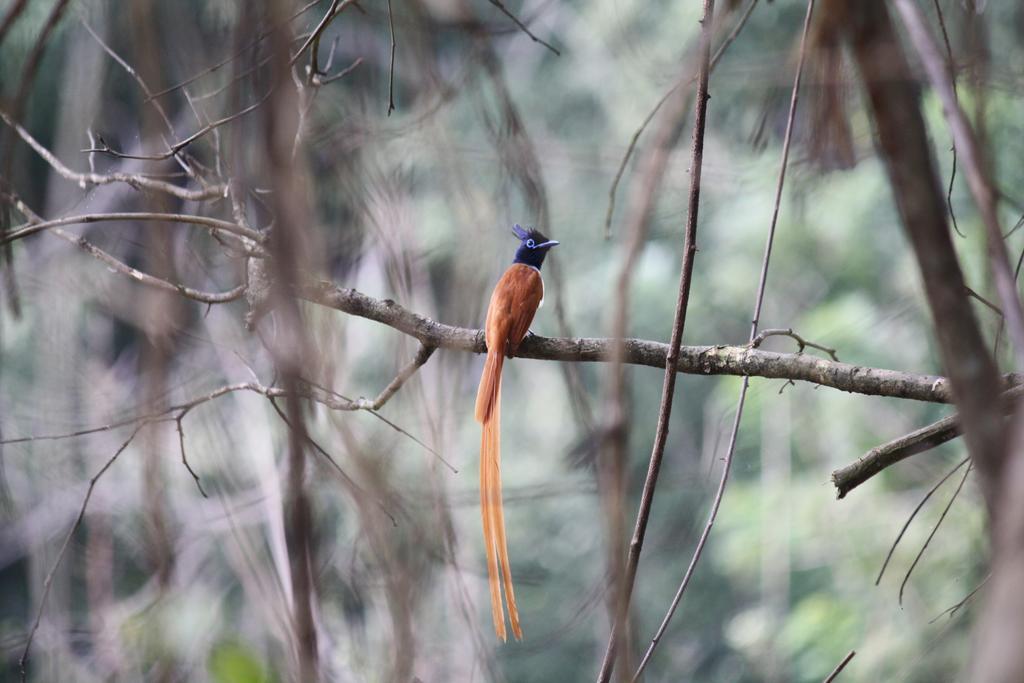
[697, 360]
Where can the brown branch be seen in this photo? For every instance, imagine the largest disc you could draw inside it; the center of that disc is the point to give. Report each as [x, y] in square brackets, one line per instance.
[522, 27]
[839, 669]
[618, 638]
[978, 173]
[758, 302]
[801, 342]
[697, 360]
[918, 441]
[902, 140]
[391, 69]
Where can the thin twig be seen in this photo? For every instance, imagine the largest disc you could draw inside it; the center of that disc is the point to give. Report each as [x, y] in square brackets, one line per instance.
[920, 505]
[131, 72]
[184, 459]
[356, 490]
[48, 581]
[181, 144]
[801, 342]
[952, 77]
[935, 529]
[150, 280]
[391, 70]
[522, 26]
[315, 35]
[842, 665]
[213, 224]
[988, 304]
[324, 80]
[617, 637]
[758, 302]
[386, 421]
[631, 147]
[953, 609]
[422, 356]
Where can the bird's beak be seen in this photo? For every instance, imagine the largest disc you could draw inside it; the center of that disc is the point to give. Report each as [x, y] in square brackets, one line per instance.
[549, 243]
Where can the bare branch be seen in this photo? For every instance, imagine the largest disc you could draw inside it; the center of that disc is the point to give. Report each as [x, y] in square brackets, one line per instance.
[935, 529]
[918, 441]
[136, 180]
[176, 147]
[147, 279]
[212, 224]
[521, 25]
[839, 669]
[624, 575]
[391, 69]
[184, 458]
[698, 360]
[48, 581]
[801, 342]
[920, 505]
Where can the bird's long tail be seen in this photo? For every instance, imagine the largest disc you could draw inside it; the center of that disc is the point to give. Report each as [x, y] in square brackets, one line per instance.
[499, 570]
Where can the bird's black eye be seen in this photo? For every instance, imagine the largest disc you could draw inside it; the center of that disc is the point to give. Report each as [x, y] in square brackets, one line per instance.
[531, 244]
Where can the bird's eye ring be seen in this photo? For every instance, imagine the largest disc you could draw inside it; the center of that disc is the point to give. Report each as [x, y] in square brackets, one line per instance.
[531, 244]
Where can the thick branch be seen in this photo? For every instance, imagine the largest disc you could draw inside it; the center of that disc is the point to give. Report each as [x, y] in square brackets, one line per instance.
[697, 360]
[918, 441]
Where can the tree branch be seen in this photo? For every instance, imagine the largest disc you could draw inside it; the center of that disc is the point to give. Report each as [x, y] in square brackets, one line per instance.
[738, 361]
[918, 441]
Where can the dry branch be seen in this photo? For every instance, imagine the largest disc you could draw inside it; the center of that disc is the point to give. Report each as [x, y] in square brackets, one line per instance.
[918, 441]
[738, 361]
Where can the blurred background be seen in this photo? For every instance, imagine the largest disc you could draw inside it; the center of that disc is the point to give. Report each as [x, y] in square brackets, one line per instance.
[489, 128]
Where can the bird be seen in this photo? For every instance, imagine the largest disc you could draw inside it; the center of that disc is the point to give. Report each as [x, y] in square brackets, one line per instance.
[514, 302]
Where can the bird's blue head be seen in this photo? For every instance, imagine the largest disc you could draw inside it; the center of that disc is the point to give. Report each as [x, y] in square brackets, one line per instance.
[533, 248]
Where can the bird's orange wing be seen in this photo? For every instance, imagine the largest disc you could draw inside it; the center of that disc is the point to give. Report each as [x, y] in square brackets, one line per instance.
[522, 294]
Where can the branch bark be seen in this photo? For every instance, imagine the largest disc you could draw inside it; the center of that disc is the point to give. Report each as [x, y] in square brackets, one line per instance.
[918, 441]
[902, 140]
[738, 361]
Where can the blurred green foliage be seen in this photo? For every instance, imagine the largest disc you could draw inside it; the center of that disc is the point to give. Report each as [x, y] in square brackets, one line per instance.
[786, 588]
